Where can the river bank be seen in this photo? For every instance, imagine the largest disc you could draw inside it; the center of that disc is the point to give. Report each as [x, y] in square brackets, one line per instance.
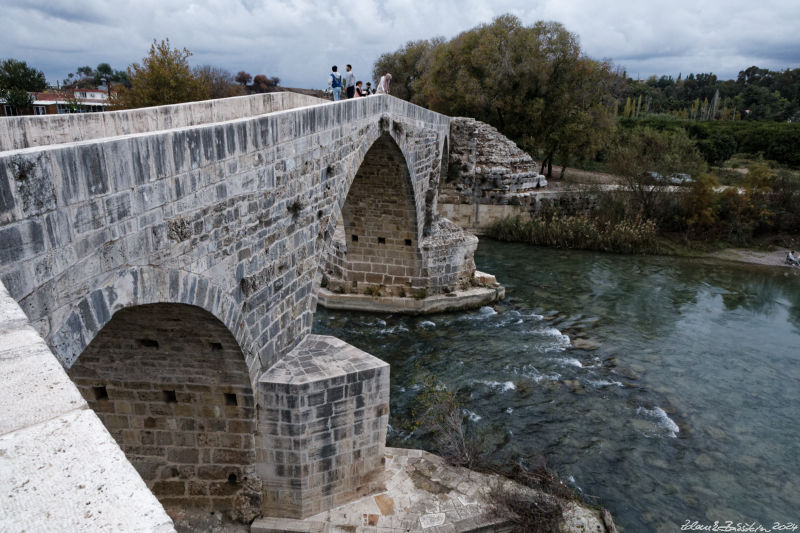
[773, 258]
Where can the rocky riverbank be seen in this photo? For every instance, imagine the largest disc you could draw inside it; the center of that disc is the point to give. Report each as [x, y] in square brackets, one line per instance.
[423, 493]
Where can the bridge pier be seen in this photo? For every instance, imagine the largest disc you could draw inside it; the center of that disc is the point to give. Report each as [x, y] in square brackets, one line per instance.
[322, 421]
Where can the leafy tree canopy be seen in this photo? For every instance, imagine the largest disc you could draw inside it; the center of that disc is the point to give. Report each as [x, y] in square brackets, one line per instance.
[263, 84]
[18, 75]
[164, 77]
[219, 82]
[243, 78]
[644, 159]
[16, 80]
[86, 77]
[531, 82]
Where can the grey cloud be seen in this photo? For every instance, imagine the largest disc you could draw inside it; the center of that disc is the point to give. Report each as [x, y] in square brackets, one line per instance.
[298, 40]
[72, 12]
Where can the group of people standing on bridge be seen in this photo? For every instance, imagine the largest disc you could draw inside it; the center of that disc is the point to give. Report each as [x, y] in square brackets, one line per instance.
[346, 82]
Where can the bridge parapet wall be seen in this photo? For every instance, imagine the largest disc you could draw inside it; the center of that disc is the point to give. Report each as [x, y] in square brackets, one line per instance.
[17, 133]
[245, 206]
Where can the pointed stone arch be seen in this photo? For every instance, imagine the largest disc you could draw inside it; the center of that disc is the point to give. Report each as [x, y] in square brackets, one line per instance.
[376, 244]
[148, 285]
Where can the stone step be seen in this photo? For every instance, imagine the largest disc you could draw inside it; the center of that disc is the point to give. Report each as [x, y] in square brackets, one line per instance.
[288, 525]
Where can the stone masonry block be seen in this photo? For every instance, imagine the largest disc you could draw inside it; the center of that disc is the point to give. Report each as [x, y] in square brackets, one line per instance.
[336, 367]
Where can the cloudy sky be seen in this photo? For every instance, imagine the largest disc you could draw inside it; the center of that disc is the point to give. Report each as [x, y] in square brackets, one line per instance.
[298, 40]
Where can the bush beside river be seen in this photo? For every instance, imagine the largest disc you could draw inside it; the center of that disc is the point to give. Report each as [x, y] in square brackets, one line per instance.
[649, 217]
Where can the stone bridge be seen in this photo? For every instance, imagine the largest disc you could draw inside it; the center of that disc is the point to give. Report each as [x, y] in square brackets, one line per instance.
[171, 258]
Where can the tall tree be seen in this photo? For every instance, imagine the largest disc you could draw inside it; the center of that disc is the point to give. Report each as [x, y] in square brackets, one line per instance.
[644, 158]
[85, 77]
[406, 66]
[528, 81]
[243, 78]
[17, 80]
[263, 84]
[164, 77]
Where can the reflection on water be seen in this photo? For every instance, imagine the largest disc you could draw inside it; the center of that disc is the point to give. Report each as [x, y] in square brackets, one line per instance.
[666, 388]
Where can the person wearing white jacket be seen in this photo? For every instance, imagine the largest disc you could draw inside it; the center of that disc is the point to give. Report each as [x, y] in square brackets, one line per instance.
[383, 85]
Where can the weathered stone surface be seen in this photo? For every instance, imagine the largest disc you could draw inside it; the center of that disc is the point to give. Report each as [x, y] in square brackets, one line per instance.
[424, 493]
[489, 178]
[485, 167]
[322, 445]
[230, 208]
[233, 217]
[170, 384]
[470, 298]
[30, 131]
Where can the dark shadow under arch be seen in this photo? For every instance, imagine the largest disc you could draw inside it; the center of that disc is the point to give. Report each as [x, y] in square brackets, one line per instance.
[148, 285]
[376, 242]
[170, 384]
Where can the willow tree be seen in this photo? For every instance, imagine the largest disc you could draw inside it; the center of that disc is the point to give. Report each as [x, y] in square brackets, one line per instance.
[531, 82]
[163, 77]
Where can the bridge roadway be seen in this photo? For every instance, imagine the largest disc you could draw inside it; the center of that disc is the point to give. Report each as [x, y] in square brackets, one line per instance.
[227, 207]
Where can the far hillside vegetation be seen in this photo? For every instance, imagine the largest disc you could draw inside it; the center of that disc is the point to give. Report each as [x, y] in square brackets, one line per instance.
[672, 143]
[535, 84]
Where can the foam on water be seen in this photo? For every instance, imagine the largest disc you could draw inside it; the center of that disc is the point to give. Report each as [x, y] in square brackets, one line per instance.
[486, 310]
[393, 330]
[530, 372]
[661, 418]
[473, 416]
[427, 324]
[504, 386]
[556, 334]
[600, 383]
[569, 361]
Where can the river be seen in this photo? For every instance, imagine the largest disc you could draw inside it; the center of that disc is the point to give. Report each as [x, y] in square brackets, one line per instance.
[681, 404]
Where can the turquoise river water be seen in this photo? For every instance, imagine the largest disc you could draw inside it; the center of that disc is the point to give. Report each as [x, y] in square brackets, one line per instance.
[682, 404]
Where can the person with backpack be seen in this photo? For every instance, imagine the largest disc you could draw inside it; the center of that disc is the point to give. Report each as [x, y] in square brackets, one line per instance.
[335, 83]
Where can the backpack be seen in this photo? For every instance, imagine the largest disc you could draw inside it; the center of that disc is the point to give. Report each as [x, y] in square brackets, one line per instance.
[337, 81]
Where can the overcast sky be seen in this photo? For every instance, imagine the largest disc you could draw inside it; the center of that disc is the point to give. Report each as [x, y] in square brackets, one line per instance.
[298, 40]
